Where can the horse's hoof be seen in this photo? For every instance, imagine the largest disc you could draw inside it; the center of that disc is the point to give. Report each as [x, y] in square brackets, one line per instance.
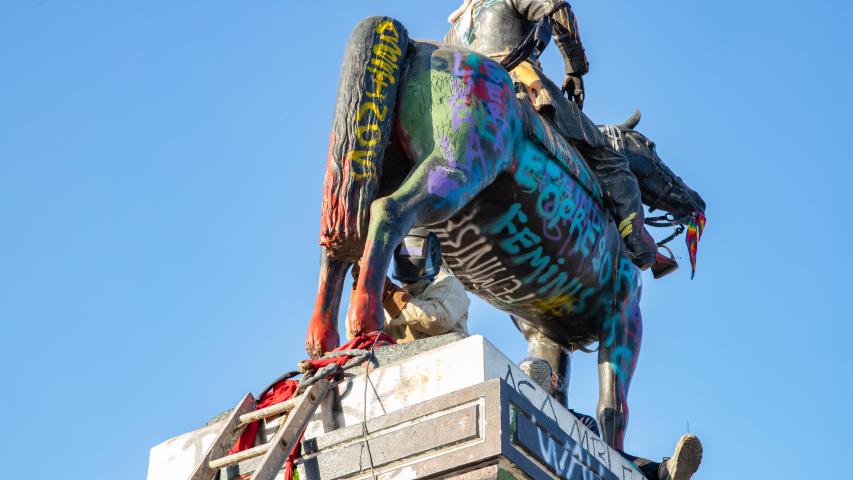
[539, 370]
[685, 459]
[313, 350]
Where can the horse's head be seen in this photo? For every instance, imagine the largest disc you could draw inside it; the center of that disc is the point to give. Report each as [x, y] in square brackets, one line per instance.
[661, 188]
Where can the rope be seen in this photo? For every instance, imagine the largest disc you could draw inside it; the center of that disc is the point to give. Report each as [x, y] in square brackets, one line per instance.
[367, 380]
[358, 357]
[331, 365]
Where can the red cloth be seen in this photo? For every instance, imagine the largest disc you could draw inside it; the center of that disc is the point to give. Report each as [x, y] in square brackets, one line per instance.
[284, 390]
[280, 392]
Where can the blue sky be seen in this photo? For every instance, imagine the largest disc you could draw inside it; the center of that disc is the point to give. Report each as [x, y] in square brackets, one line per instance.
[161, 166]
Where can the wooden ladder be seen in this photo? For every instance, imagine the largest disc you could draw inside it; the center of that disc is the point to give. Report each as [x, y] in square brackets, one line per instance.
[297, 410]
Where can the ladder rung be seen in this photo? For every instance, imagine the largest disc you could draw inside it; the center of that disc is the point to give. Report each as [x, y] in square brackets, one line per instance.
[239, 457]
[272, 410]
[288, 434]
[275, 452]
[226, 438]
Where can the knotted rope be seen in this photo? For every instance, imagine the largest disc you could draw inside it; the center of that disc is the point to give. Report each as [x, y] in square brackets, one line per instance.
[350, 355]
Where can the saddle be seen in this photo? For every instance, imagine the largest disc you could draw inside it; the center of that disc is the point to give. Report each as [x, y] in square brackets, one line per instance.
[547, 99]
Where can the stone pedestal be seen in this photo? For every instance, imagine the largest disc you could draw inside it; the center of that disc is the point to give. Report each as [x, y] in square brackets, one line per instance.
[460, 410]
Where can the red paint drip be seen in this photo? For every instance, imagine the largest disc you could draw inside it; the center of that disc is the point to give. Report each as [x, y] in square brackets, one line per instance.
[366, 306]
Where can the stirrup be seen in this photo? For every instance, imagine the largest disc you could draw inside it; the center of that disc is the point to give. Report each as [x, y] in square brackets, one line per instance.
[664, 265]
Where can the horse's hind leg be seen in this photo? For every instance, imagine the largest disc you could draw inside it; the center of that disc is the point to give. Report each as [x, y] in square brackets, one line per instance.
[323, 329]
[619, 348]
[391, 218]
[460, 133]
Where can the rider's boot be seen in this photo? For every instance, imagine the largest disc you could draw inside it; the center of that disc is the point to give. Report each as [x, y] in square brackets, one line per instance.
[685, 459]
[611, 168]
[642, 249]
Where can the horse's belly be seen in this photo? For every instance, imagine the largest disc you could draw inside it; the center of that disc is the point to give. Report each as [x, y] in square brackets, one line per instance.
[535, 244]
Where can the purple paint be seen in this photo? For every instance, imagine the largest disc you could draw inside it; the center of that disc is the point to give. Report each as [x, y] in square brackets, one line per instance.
[440, 184]
[448, 151]
[460, 101]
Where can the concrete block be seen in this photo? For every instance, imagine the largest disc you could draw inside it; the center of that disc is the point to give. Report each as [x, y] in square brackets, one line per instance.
[447, 434]
[176, 458]
[458, 408]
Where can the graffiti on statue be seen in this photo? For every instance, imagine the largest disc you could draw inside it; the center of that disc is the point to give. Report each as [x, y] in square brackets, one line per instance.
[435, 135]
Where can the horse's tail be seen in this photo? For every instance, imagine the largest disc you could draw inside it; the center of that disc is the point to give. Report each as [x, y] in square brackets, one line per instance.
[367, 92]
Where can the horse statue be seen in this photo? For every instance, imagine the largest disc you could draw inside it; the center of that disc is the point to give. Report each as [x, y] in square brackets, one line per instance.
[426, 134]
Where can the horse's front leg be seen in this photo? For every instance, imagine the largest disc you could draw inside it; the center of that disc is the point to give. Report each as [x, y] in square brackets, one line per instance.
[559, 359]
[323, 329]
[619, 348]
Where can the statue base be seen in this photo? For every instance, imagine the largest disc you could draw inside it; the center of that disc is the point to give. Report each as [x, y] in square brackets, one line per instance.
[459, 410]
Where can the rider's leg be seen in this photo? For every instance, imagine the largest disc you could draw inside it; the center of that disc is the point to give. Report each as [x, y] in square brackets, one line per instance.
[612, 169]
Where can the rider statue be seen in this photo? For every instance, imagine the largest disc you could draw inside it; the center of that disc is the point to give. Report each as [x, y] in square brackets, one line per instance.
[495, 28]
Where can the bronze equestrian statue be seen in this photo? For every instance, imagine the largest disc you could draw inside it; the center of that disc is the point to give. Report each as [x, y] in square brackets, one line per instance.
[434, 135]
[500, 29]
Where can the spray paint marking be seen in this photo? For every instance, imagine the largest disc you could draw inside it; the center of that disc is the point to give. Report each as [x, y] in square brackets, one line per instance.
[479, 126]
[472, 258]
[383, 67]
[526, 249]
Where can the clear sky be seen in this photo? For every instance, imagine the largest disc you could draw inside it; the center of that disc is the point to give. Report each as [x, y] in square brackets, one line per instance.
[161, 166]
